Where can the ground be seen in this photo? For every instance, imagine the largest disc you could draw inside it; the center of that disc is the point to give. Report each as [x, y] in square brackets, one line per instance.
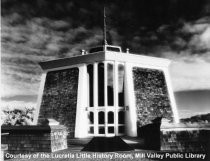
[74, 153]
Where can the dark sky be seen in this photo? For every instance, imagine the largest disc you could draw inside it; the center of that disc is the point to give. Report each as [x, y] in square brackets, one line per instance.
[39, 30]
[142, 25]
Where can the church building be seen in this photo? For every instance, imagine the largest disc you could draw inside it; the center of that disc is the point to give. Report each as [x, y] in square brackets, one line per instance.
[105, 92]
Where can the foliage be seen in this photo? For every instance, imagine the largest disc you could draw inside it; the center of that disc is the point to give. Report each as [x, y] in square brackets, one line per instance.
[18, 116]
[204, 118]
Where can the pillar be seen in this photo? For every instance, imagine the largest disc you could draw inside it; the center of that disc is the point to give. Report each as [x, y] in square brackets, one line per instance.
[39, 101]
[95, 96]
[171, 95]
[130, 104]
[81, 126]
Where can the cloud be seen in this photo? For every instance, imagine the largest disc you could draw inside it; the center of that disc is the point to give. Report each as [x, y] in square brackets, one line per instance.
[19, 85]
[196, 27]
[199, 32]
[205, 37]
[34, 31]
[37, 39]
[200, 42]
[190, 76]
[191, 55]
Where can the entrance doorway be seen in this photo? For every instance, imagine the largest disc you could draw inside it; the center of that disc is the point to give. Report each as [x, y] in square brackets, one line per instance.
[106, 113]
[106, 123]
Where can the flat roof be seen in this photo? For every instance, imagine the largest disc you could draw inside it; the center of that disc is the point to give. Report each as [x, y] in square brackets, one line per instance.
[105, 56]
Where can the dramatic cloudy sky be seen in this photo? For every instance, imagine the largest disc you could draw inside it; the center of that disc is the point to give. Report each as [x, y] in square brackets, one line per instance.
[38, 30]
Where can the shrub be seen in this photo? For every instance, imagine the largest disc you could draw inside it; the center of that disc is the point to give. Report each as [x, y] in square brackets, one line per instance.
[18, 116]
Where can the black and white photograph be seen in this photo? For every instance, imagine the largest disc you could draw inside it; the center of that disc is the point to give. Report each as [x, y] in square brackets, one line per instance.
[105, 80]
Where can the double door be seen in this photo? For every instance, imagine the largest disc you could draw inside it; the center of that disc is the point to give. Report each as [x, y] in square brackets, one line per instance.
[106, 122]
[106, 113]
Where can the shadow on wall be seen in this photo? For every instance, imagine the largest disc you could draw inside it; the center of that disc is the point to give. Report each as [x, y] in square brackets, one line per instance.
[150, 133]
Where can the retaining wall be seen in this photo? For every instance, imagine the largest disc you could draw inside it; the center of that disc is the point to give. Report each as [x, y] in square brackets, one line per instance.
[185, 138]
[31, 139]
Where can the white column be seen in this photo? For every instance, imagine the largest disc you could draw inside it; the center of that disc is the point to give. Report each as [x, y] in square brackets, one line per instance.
[105, 98]
[116, 105]
[95, 97]
[39, 100]
[81, 127]
[105, 84]
[130, 104]
[171, 95]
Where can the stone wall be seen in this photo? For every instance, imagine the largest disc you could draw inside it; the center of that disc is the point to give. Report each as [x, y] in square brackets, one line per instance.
[152, 99]
[185, 140]
[31, 139]
[59, 98]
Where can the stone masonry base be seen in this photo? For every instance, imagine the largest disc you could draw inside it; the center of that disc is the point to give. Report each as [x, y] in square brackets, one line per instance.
[31, 139]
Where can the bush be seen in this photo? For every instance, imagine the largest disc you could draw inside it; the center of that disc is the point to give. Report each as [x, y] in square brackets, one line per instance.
[18, 116]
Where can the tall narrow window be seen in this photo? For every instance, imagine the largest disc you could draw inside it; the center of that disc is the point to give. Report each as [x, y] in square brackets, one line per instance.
[110, 117]
[100, 84]
[110, 86]
[91, 118]
[90, 82]
[101, 117]
[121, 117]
[121, 73]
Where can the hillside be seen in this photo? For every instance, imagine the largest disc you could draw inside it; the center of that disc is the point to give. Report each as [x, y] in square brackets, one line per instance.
[193, 102]
[205, 118]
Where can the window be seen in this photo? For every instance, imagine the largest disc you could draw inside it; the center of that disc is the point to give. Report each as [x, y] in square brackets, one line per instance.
[101, 130]
[110, 86]
[91, 118]
[111, 129]
[121, 117]
[101, 118]
[90, 83]
[100, 84]
[121, 74]
[110, 117]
